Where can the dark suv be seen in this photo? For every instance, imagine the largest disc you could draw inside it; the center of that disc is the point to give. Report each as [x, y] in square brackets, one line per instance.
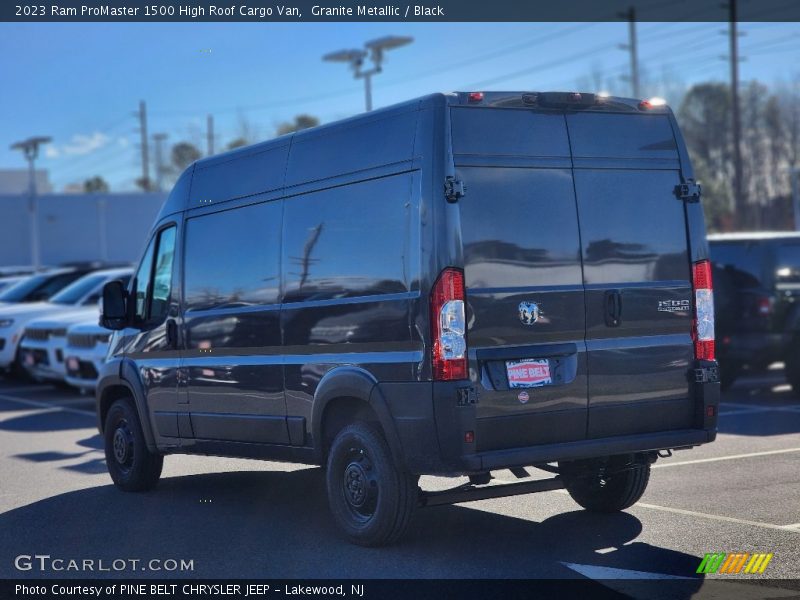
[454, 285]
[757, 284]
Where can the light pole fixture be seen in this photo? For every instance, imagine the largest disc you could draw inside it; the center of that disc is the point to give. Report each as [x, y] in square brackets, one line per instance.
[374, 50]
[30, 149]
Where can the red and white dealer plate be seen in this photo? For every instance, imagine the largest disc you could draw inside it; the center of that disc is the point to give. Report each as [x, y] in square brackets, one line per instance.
[528, 373]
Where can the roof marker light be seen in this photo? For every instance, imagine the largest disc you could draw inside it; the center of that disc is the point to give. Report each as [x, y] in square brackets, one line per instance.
[652, 103]
[475, 96]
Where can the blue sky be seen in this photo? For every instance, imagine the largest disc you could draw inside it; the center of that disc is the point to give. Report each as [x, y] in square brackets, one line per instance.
[81, 83]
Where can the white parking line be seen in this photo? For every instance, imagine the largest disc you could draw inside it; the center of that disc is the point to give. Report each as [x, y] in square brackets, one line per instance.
[37, 404]
[692, 513]
[745, 406]
[729, 457]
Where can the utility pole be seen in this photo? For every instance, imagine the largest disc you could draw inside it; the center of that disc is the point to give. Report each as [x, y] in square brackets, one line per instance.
[30, 149]
[632, 48]
[158, 138]
[795, 175]
[142, 114]
[210, 134]
[738, 195]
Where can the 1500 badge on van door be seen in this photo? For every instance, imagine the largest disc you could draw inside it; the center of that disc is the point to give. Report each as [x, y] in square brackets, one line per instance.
[674, 305]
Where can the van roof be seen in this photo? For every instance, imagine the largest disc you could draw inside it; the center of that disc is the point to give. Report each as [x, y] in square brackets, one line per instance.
[495, 99]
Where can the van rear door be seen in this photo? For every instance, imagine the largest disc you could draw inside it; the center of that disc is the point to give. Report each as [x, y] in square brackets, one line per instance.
[522, 268]
[637, 272]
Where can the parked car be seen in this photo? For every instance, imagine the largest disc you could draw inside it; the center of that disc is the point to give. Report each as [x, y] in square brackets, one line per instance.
[757, 302]
[77, 297]
[41, 286]
[16, 270]
[9, 280]
[454, 285]
[43, 347]
[85, 353]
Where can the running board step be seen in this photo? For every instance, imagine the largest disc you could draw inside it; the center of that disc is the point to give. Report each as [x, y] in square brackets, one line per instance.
[470, 493]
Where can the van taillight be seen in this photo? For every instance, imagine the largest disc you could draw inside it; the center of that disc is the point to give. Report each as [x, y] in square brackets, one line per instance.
[448, 326]
[703, 333]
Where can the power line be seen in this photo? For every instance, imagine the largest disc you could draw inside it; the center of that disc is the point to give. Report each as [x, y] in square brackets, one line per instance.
[387, 83]
[542, 66]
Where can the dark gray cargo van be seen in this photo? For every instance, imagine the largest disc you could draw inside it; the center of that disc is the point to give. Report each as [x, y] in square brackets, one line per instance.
[455, 285]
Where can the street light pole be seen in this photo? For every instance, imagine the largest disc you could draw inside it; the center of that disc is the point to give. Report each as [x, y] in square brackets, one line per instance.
[795, 180]
[368, 91]
[373, 49]
[30, 149]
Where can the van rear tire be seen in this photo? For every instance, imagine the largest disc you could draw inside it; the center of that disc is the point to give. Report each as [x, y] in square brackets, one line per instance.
[371, 499]
[606, 487]
[132, 467]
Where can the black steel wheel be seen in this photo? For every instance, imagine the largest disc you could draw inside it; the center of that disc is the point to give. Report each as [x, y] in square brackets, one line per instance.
[606, 486]
[370, 497]
[131, 465]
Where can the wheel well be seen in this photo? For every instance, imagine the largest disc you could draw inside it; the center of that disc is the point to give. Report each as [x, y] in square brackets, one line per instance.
[110, 396]
[338, 414]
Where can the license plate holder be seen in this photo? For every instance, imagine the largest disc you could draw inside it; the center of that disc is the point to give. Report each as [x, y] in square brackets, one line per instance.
[529, 373]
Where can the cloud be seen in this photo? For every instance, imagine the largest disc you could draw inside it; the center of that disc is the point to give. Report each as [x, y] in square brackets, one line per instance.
[84, 144]
[123, 142]
[78, 145]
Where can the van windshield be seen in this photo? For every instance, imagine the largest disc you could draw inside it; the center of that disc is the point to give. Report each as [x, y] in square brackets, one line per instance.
[74, 293]
[743, 262]
[787, 263]
[37, 287]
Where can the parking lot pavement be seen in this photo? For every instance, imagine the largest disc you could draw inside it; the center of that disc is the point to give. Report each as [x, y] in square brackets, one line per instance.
[239, 518]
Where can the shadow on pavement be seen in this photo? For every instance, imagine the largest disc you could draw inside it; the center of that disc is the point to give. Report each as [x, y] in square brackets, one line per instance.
[48, 420]
[276, 524]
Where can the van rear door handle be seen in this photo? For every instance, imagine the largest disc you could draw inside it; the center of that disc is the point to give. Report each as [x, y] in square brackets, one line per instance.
[613, 307]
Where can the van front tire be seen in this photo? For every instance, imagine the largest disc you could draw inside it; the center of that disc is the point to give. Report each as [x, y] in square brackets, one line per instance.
[132, 466]
[371, 499]
[606, 488]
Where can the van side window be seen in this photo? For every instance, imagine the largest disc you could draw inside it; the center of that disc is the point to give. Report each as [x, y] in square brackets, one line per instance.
[242, 269]
[162, 275]
[142, 281]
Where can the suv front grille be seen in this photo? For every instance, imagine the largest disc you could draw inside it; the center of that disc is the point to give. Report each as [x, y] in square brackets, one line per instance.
[81, 340]
[39, 335]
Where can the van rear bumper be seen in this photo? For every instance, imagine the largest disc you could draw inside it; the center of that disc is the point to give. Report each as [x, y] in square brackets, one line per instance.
[432, 420]
[520, 457]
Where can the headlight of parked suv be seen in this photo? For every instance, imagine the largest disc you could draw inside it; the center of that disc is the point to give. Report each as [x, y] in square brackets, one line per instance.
[6, 323]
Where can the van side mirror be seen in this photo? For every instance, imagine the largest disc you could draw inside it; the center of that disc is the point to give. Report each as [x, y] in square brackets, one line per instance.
[114, 313]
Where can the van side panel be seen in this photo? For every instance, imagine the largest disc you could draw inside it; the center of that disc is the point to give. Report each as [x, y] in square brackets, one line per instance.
[232, 324]
[347, 285]
[634, 248]
[245, 172]
[330, 152]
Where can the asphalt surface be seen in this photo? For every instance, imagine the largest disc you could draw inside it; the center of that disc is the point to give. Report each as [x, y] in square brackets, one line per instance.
[240, 518]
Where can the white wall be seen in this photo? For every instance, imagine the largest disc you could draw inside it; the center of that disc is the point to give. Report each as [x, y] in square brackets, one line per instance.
[78, 227]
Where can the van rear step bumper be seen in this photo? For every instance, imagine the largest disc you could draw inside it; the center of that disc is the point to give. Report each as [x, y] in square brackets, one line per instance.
[520, 457]
[470, 493]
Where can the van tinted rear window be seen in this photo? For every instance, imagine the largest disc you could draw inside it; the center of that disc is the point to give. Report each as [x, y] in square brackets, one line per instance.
[505, 131]
[605, 135]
